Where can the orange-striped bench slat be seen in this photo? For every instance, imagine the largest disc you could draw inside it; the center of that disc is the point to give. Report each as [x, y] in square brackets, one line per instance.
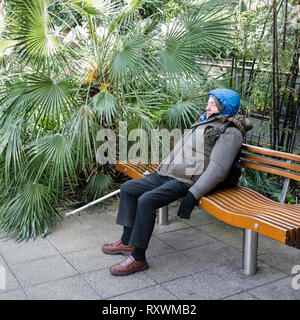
[246, 208]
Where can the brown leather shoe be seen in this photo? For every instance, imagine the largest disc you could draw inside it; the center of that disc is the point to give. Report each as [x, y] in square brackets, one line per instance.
[128, 266]
[117, 248]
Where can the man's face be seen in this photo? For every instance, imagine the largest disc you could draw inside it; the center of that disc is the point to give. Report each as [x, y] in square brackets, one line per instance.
[211, 107]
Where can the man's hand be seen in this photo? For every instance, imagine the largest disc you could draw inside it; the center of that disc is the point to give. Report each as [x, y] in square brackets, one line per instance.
[187, 205]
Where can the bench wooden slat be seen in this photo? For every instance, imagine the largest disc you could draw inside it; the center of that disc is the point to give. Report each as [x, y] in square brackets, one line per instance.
[265, 213]
[269, 152]
[244, 221]
[256, 198]
[276, 230]
[133, 170]
[277, 216]
[273, 162]
[271, 170]
[224, 200]
[252, 203]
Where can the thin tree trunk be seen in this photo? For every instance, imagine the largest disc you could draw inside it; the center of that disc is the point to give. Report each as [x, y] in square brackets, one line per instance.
[285, 24]
[264, 113]
[243, 75]
[232, 68]
[276, 115]
[248, 90]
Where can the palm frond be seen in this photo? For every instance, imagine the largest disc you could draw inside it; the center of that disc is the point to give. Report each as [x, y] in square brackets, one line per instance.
[29, 25]
[52, 158]
[82, 130]
[190, 35]
[104, 105]
[182, 114]
[11, 147]
[44, 100]
[29, 212]
[96, 186]
[128, 58]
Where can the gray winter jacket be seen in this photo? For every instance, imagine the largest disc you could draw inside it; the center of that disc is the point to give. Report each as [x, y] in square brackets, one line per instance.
[199, 160]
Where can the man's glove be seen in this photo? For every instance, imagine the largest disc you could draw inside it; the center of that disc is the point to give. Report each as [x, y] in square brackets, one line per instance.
[187, 205]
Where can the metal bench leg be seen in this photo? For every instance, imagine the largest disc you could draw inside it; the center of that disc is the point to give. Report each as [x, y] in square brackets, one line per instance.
[250, 252]
[162, 217]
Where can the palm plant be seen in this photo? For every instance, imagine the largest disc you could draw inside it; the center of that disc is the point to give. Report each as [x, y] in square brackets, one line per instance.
[78, 66]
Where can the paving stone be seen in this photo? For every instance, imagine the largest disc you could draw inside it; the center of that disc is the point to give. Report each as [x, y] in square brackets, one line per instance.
[157, 247]
[105, 227]
[13, 295]
[204, 285]
[175, 223]
[200, 217]
[43, 270]
[108, 285]
[277, 290]
[72, 235]
[17, 252]
[222, 231]
[95, 220]
[241, 296]
[234, 273]
[171, 266]
[151, 293]
[265, 244]
[73, 288]
[185, 238]
[11, 282]
[109, 235]
[283, 258]
[91, 259]
[213, 255]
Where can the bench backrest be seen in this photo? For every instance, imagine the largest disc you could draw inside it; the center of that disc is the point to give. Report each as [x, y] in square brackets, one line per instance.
[271, 161]
[261, 159]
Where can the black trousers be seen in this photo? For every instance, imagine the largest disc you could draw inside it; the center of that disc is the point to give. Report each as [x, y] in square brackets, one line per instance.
[139, 200]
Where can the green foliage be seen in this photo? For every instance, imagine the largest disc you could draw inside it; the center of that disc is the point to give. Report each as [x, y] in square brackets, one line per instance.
[260, 182]
[97, 185]
[75, 67]
[29, 211]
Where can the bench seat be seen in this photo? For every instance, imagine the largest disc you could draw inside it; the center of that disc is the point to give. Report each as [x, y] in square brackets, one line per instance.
[248, 209]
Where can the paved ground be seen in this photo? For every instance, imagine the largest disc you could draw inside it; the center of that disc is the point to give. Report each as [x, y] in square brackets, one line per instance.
[189, 259]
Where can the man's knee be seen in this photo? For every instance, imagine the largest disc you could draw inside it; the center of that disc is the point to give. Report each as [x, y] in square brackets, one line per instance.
[146, 201]
[128, 187]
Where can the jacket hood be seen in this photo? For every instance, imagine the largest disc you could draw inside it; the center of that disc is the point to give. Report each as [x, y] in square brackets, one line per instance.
[242, 123]
[229, 99]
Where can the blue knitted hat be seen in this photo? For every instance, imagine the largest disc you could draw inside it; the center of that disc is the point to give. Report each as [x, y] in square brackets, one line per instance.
[229, 99]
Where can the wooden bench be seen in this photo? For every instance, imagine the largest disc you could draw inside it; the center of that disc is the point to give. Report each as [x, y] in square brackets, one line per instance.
[244, 208]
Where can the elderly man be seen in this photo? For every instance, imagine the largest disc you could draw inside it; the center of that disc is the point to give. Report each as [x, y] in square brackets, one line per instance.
[180, 175]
